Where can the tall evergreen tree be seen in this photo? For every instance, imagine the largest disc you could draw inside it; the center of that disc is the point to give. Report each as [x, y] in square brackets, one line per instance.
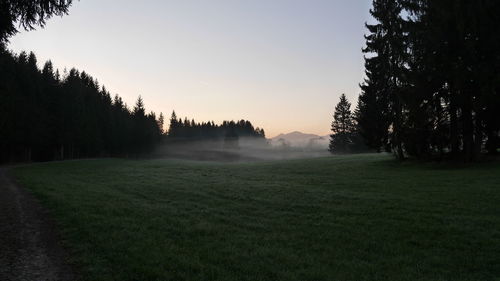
[380, 104]
[161, 123]
[342, 127]
[173, 128]
[434, 62]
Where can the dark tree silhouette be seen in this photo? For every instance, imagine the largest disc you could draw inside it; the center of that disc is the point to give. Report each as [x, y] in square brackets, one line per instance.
[385, 68]
[192, 130]
[342, 127]
[161, 124]
[435, 65]
[28, 14]
[44, 116]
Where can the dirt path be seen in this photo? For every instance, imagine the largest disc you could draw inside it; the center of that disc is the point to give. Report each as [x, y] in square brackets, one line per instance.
[29, 248]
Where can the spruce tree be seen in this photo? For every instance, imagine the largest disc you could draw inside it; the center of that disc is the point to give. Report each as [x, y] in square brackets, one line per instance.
[161, 124]
[342, 127]
[381, 100]
[173, 128]
[139, 110]
[28, 14]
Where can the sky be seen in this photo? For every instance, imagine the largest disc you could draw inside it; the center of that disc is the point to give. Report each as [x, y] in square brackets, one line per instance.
[282, 64]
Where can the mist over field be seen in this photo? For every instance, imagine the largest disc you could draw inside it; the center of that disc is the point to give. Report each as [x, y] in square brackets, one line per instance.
[241, 150]
[309, 219]
[249, 140]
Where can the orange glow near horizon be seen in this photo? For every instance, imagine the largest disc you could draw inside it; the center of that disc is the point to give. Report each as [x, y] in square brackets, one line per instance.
[280, 64]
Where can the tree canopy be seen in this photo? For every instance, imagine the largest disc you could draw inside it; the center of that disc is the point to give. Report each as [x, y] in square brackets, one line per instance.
[190, 129]
[432, 83]
[45, 115]
[28, 14]
[341, 126]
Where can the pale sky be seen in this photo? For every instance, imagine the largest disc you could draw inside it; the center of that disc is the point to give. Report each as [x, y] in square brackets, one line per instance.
[282, 64]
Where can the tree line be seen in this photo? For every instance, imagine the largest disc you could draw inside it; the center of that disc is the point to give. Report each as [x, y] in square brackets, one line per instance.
[432, 79]
[48, 116]
[45, 115]
[190, 129]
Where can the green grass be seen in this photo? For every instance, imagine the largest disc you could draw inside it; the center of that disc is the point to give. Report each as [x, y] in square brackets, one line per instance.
[362, 217]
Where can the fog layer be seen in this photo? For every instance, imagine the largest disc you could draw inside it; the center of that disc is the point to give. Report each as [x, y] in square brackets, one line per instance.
[237, 150]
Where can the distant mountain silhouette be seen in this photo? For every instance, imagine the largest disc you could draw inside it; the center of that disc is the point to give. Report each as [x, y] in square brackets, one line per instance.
[300, 139]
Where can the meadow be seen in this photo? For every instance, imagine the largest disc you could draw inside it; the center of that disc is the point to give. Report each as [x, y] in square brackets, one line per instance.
[362, 217]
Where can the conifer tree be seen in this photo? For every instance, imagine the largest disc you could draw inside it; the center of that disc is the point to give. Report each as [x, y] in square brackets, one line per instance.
[342, 127]
[173, 128]
[433, 63]
[28, 14]
[139, 110]
[161, 123]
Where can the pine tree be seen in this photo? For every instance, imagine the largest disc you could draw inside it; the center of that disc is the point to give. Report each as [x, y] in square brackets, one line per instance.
[381, 104]
[173, 128]
[139, 108]
[28, 14]
[161, 124]
[342, 127]
[372, 115]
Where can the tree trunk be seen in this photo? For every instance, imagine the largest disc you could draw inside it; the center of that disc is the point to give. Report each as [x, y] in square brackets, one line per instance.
[492, 143]
[397, 131]
[468, 131]
[455, 144]
[478, 142]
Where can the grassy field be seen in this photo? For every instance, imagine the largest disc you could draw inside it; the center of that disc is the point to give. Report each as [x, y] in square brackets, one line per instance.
[362, 217]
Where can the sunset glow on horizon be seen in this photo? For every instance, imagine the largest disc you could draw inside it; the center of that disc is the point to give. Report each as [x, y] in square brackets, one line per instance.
[280, 64]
